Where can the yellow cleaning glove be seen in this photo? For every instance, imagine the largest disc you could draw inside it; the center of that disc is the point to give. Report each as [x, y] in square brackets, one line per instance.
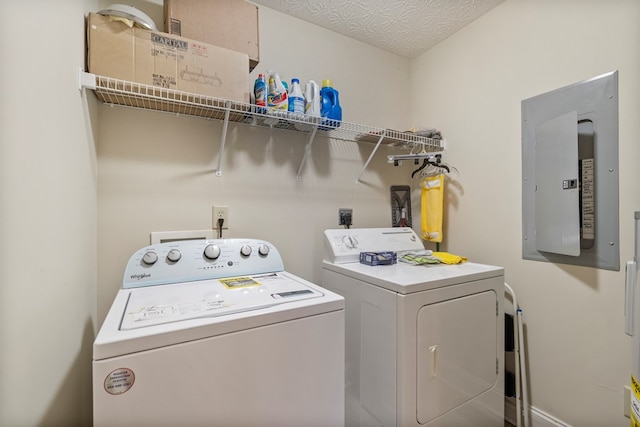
[447, 258]
[432, 205]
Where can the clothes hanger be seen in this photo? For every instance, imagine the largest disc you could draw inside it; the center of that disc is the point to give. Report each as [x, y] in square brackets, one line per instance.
[434, 161]
[434, 168]
[425, 163]
[440, 165]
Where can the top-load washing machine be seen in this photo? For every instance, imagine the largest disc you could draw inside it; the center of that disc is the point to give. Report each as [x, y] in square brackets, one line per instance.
[424, 344]
[216, 333]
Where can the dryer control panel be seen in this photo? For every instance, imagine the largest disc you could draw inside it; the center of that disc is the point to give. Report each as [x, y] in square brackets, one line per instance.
[190, 260]
[344, 245]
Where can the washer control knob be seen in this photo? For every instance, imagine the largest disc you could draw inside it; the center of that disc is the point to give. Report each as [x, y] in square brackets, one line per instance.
[212, 252]
[174, 255]
[245, 250]
[149, 258]
[263, 250]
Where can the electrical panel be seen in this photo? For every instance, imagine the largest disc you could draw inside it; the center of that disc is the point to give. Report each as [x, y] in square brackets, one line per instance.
[570, 175]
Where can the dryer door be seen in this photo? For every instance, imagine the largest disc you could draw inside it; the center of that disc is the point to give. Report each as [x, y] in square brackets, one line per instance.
[457, 352]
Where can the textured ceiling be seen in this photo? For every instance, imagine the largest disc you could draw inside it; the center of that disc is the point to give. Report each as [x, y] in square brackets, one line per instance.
[405, 27]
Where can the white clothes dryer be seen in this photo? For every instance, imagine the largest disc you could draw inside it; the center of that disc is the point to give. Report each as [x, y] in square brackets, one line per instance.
[424, 344]
[215, 332]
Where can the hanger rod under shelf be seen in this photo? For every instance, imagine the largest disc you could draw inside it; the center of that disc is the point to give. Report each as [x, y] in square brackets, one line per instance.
[393, 158]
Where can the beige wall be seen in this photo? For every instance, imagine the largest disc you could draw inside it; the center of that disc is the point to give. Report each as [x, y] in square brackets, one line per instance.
[579, 355]
[47, 218]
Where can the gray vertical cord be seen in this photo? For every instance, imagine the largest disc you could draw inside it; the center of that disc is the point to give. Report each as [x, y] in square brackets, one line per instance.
[521, 374]
[220, 223]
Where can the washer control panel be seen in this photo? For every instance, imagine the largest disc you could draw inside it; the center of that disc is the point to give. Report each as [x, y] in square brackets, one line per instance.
[190, 260]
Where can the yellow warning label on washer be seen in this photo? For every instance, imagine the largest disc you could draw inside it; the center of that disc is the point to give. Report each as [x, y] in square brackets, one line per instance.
[635, 402]
[239, 282]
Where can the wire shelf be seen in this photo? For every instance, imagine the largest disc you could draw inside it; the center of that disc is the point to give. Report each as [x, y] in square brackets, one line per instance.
[125, 93]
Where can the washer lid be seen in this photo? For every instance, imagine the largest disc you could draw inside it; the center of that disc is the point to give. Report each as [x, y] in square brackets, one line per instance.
[209, 298]
[191, 311]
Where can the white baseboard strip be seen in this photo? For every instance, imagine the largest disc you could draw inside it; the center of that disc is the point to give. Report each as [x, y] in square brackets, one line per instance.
[538, 418]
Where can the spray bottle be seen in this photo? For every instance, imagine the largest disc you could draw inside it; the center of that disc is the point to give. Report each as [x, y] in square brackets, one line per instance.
[312, 99]
[277, 98]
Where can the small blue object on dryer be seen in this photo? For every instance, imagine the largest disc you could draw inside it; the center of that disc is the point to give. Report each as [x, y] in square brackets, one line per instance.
[378, 258]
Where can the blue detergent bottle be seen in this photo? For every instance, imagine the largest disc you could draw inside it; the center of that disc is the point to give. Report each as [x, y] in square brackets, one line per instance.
[330, 105]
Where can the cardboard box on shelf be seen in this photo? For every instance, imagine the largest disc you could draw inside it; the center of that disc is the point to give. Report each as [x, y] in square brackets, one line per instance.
[164, 60]
[232, 24]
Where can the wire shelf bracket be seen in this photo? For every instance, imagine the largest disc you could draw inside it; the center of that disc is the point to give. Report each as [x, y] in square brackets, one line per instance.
[307, 151]
[375, 148]
[223, 137]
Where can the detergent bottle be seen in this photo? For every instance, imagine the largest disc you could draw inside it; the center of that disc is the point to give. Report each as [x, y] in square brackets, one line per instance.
[271, 92]
[277, 99]
[296, 98]
[330, 105]
[260, 93]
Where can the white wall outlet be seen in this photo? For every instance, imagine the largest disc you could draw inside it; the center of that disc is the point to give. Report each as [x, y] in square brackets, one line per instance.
[220, 213]
[345, 216]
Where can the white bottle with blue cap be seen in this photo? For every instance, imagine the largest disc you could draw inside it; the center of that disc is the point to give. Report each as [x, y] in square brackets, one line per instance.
[296, 98]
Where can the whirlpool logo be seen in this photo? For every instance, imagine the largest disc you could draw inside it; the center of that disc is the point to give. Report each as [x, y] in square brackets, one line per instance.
[169, 42]
[140, 276]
